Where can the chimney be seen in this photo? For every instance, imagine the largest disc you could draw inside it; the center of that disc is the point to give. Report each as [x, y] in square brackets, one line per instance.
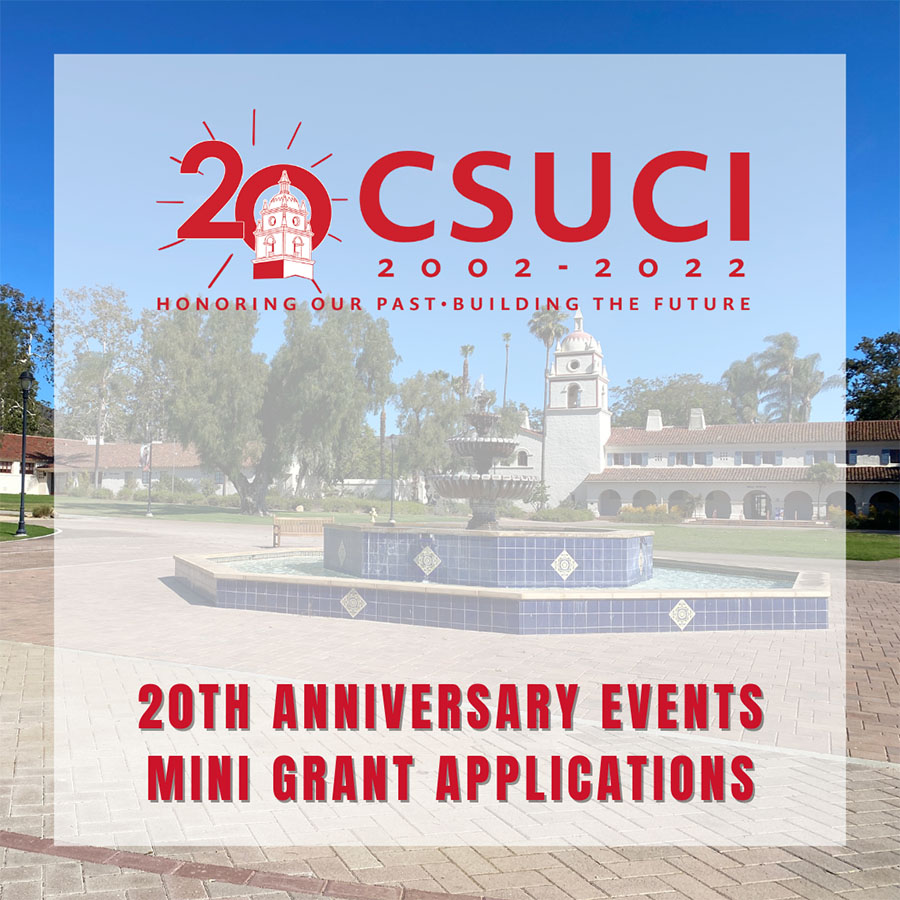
[697, 421]
[654, 420]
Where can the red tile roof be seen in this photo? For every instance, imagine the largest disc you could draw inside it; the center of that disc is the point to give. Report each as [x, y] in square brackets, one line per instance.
[875, 430]
[39, 449]
[638, 474]
[779, 433]
[79, 455]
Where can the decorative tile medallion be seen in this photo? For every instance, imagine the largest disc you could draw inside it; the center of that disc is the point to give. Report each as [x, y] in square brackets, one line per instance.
[681, 614]
[342, 553]
[427, 560]
[353, 602]
[564, 565]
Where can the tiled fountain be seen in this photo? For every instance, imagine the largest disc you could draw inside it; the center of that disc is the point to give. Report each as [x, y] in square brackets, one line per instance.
[482, 554]
[537, 580]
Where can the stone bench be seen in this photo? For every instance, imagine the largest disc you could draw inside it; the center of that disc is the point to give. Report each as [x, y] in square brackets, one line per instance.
[293, 525]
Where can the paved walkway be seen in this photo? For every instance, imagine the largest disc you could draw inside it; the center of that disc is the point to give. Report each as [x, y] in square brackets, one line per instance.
[867, 867]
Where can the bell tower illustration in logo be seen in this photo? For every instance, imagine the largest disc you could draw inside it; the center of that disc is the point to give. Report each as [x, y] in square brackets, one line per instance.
[283, 236]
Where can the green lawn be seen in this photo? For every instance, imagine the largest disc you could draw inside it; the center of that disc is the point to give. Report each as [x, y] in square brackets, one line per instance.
[816, 543]
[822, 543]
[8, 531]
[872, 546]
[185, 513]
[10, 502]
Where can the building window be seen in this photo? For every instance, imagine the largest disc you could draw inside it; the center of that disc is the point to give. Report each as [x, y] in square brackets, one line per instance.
[522, 458]
[574, 396]
[772, 457]
[270, 246]
[890, 457]
[747, 457]
[851, 457]
[618, 459]
[29, 468]
[685, 458]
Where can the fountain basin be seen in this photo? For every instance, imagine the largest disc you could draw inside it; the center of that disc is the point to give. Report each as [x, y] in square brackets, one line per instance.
[769, 601]
[565, 560]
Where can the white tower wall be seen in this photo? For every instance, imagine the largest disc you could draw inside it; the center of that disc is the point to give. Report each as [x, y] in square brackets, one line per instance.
[578, 424]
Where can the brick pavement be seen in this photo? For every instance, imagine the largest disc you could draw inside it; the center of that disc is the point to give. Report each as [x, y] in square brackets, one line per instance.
[866, 868]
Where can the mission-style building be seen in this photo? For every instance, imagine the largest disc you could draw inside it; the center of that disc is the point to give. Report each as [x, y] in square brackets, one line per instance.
[752, 471]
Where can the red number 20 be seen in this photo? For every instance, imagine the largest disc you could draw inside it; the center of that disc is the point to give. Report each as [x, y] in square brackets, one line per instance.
[200, 223]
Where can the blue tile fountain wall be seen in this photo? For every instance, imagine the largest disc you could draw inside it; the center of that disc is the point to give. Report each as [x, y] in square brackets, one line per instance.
[605, 559]
[515, 616]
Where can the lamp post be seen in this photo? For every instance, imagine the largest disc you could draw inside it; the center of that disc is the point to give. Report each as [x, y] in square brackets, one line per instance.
[392, 520]
[149, 513]
[26, 381]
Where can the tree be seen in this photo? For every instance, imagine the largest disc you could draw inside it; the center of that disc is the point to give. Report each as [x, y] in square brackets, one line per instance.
[810, 381]
[364, 457]
[26, 341]
[548, 326]
[823, 473]
[431, 410]
[252, 418]
[873, 381]
[466, 351]
[743, 380]
[95, 331]
[147, 402]
[507, 337]
[674, 396]
[790, 381]
[777, 362]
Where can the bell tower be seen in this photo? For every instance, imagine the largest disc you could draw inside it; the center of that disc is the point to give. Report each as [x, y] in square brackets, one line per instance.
[577, 423]
[283, 236]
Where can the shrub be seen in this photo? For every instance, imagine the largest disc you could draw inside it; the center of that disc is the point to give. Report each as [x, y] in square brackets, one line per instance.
[101, 494]
[44, 511]
[659, 513]
[126, 492]
[874, 520]
[277, 500]
[562, 514]
[511, 511]
[837, 516]
[207, 487]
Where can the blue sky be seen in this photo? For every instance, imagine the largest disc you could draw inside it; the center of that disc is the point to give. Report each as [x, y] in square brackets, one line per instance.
[866, 32]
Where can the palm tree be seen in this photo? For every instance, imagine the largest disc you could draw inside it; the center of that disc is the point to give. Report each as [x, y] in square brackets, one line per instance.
[779, 361]
[822, 473]
[810, 380]
[548, 326]
[744, 380]
[466, 350]
[507, 337]
[382, 430]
